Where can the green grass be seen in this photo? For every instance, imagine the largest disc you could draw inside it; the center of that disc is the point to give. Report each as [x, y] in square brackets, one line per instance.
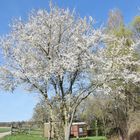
[4, 129]
[36, 132]
[22, 137]
[33, 137]
[91, 138]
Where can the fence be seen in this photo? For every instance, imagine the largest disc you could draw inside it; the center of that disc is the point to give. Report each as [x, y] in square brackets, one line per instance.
[26, 129]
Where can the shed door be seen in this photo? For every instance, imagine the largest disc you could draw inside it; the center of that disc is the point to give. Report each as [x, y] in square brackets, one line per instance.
[80, 130]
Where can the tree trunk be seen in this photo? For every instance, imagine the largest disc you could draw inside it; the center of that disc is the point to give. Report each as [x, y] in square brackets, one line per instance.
[67, 131]
[96, 127]
[50, 125]
[104, 125]
[121, 135]
[50, 130]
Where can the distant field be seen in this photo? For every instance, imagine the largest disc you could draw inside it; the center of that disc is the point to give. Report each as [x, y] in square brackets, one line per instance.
[4, 129]
[22, 137]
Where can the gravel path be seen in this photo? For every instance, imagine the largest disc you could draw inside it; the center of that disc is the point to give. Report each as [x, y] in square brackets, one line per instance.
[4, 134]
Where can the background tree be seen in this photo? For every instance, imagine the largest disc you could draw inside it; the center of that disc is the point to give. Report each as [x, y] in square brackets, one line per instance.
[40, 113]
[115, 20]
[135, 25]
[123, 65]
[94, 111]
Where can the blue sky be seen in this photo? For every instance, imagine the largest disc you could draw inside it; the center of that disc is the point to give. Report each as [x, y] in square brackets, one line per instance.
[19, 105]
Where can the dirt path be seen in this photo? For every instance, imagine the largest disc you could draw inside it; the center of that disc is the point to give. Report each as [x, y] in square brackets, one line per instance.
[4, 134]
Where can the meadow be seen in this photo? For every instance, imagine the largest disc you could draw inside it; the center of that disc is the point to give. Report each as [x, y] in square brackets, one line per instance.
[30, 137]
[92, 138]
[23, 137]
[4, 129]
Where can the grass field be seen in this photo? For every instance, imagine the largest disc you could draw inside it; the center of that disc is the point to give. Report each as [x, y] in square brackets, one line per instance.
[4, 129]
[22, 137]
[36, 132]
[92, 138]
[30, 137]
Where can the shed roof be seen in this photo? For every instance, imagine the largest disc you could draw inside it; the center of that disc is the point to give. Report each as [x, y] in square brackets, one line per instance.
[74, 123]
[79, 123]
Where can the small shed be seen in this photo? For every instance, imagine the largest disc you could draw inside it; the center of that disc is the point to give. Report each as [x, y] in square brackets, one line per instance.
[79, 129]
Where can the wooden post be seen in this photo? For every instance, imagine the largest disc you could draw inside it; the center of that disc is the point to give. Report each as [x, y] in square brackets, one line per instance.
[96, 127]
[29, 129]
[11, 129]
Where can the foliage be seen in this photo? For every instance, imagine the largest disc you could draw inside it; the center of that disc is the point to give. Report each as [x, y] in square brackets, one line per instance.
[41, 113]
[123, 69]
[115, 19]
[136, 22]
[118, 98]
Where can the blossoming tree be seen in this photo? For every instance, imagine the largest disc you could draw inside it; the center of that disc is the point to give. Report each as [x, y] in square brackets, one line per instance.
[62, 57]
[52, 53]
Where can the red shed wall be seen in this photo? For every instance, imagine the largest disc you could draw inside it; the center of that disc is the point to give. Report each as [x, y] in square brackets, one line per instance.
[75, 130]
